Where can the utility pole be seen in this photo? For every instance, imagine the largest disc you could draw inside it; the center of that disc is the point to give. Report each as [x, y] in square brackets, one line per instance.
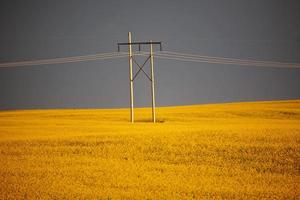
[152, 83]
[132, 77]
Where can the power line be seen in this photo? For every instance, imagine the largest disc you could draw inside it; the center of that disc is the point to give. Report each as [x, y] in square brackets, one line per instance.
[171, 55]
[223, 60]
[64, 60]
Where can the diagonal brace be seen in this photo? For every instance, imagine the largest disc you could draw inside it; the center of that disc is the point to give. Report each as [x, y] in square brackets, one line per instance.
[141, 68]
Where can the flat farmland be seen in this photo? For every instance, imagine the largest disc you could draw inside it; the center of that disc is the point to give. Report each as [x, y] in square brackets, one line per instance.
[217, 151]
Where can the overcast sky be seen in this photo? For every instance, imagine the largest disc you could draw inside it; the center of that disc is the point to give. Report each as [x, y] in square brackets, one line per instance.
[247, 29]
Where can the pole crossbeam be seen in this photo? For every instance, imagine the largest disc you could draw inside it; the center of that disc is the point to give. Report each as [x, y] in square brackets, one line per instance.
[139, 44]
[132, 77]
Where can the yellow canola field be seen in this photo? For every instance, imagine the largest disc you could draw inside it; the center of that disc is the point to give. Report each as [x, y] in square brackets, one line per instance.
[218, 151]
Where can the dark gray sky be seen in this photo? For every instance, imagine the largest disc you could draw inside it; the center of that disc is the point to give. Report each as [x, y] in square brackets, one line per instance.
[247, 29]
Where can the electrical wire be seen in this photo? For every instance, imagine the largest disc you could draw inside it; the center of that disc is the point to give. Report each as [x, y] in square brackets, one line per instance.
[64, 60]
[223, 60]
[160, 54]
[72, 59]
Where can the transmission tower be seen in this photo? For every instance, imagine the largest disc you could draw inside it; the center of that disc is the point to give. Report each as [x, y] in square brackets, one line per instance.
[132, 77]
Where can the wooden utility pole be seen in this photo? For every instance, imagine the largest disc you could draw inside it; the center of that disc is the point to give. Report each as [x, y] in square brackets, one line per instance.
[152, 83]
[132, 77]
